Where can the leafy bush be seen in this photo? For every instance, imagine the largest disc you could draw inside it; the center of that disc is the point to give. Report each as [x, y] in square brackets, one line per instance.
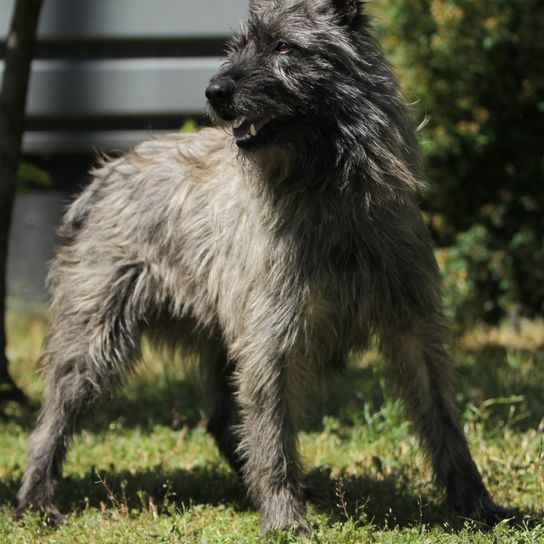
[477, 69]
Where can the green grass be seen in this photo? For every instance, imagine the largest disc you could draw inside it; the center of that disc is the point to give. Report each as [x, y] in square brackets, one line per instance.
[144, 469]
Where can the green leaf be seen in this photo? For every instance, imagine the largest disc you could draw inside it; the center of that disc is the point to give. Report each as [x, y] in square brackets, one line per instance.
[189, 126]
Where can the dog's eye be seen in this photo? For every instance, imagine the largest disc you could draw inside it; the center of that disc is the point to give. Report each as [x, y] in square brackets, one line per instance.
[283, 47]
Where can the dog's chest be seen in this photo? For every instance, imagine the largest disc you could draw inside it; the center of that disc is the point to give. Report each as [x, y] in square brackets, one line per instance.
[302, 280]
[327, 296]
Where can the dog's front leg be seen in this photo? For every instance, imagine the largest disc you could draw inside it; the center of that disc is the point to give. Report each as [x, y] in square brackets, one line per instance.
[268, 443]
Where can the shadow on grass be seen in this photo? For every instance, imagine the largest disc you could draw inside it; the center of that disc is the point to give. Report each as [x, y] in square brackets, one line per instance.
[386, 503]
[382, 502]
[389, 503]
[135, 491]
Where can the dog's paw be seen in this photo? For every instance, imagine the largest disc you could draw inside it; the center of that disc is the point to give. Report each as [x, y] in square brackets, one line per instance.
[485, 510]
[280, 516]
[50, 513]
[299, 527]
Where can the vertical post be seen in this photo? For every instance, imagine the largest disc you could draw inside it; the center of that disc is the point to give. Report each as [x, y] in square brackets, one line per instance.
[19, 51]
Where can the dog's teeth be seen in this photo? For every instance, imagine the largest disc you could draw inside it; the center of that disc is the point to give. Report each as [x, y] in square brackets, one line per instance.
[253, 130]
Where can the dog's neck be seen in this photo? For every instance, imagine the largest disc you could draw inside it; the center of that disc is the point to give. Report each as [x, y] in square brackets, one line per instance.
[311, 172]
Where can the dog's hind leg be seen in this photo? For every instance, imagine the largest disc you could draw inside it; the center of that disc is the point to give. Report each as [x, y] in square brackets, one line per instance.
[421, 371]
[93, 341]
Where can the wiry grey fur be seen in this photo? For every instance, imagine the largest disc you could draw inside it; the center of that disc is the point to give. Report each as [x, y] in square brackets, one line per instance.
[273, 262]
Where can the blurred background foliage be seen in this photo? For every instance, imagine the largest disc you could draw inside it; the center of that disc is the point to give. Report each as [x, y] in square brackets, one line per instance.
[476, 68]
[30, 175]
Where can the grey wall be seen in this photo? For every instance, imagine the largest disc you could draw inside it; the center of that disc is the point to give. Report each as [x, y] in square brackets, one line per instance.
[123, 19]
[32, 241]
[107, 71]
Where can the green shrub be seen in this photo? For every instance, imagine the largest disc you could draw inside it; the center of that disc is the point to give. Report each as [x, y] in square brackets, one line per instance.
[477, 69]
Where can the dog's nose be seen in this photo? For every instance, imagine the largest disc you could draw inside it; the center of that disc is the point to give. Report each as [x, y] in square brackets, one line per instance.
[220, 91]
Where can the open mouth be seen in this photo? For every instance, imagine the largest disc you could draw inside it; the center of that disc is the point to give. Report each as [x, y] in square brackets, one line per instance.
[246, 132]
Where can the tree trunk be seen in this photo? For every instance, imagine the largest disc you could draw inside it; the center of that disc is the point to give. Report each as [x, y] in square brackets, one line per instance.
[19, 51]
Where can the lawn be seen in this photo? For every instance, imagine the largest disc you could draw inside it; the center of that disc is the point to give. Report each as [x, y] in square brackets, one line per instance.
[144, 469]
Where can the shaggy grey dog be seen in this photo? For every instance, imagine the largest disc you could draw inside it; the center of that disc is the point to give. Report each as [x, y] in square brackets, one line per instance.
[271, 247]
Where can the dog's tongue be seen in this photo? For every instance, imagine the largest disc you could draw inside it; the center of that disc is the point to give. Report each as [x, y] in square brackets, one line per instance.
[244, 129]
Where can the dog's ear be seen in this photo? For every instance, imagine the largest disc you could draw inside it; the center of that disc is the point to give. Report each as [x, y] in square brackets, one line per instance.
[349, 11]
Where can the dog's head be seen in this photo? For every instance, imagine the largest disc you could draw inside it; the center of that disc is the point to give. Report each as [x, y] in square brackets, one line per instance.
[290, 71]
